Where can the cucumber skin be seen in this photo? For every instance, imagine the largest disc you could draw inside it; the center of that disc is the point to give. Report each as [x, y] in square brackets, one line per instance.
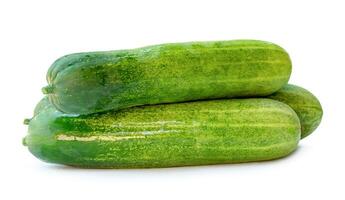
[304, 103]
[86, 83]
[195, 133]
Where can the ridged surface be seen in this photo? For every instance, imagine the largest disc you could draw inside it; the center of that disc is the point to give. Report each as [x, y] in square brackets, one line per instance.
[195, 133]
[85, 83]
[304, 103]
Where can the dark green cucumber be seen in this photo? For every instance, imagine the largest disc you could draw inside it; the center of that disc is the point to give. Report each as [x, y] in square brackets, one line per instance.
[304, 103]
[85, 83]
[195, 133]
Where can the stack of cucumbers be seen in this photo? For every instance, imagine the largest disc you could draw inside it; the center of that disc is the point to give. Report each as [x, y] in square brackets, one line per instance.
[180, 104]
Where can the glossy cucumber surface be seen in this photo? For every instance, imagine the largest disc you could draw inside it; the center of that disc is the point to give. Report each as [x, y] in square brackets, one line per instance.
[194, 133]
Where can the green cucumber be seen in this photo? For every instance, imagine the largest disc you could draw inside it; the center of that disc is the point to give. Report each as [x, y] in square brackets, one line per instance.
[42, 105]
[304, 103]
[85, 83]
[167, 135]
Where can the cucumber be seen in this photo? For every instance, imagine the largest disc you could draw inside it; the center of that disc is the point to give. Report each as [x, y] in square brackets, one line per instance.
[86, 83]
[43, 104]
[167, 135]
[304, 103]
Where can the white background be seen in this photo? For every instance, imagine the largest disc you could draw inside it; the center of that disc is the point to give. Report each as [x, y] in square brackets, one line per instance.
[34, 33]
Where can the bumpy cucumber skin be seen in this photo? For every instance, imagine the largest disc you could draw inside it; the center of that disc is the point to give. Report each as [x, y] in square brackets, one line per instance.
[86, 83]
[304, 103]
[195, 133]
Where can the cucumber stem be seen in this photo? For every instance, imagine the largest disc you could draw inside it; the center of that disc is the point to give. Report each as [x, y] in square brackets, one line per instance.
[26, 121]
[48, 89]
[24, 141]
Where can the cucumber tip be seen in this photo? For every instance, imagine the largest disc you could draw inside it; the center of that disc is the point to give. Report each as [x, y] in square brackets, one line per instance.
[26, 121]
[24, 141]
[47, 89]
